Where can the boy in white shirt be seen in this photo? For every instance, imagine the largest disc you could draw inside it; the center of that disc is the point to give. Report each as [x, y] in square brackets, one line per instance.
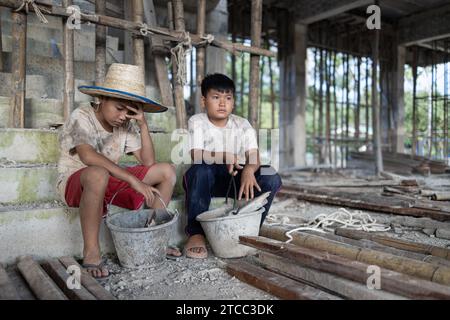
[221, 145]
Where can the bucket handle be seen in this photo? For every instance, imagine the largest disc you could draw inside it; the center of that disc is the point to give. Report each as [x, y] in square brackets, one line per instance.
[232, 183]
[128, 187]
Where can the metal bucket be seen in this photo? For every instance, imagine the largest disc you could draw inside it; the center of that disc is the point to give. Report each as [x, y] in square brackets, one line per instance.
[138, 245]
[223, 231]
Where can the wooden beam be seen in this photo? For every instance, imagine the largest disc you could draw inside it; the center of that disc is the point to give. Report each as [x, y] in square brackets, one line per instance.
[58, 273]
[396, 243]
[323, 9]
[414, 268]
[160, 32]
[88, 281]
[7, 289]
[100, 45]
[391, 281]
[19, 54]
[201, 53]
[179, 24]
[340, 286]
[376, 105]
[425, 26]
[256, 29]
[157, 45]
[39, 282]
[138, 40]
[275, 284]
[69, 82]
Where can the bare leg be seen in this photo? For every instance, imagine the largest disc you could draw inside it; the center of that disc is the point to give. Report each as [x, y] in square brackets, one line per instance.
[163, 177]
[94, 181]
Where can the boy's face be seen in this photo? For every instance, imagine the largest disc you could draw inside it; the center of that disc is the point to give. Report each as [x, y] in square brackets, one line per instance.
[218, 104]
[114, 111]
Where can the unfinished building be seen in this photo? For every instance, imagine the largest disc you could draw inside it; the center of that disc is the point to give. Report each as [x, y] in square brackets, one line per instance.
[350, 99]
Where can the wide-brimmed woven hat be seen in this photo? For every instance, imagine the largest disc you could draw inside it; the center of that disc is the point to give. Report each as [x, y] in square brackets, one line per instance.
[124, 81]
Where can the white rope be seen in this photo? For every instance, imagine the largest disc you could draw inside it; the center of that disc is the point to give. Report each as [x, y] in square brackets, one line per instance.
[357, 220]
[37, 9]
[179, 53]
[208, 39]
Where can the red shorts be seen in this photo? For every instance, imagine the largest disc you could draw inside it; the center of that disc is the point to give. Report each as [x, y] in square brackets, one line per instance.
[126, 196]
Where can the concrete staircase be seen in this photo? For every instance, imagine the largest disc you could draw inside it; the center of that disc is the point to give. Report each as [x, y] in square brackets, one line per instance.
[32, 219]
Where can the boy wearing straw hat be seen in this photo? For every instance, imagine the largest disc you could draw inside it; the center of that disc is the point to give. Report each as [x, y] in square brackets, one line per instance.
[92, 141]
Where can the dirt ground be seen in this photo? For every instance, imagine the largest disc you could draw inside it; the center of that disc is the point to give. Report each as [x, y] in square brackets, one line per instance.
[189, 279]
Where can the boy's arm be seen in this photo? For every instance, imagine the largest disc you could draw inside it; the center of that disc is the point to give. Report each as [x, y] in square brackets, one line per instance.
[248, 179]
[145, 155]
[90, 157]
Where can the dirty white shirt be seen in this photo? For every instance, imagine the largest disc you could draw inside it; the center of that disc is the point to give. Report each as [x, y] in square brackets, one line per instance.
[84, 128]
[237, 137]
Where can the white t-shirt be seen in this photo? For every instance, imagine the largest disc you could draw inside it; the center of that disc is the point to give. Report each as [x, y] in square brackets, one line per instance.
[237, 137]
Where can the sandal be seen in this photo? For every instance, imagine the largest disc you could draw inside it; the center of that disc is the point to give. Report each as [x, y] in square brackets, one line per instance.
[174, 256]
[89, 267]
[196, 243]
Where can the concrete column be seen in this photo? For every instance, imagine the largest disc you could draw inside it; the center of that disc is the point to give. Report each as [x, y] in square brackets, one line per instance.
[293, 97]
[217, 25]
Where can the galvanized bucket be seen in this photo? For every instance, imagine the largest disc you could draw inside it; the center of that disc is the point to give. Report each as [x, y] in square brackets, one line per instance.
[136, 243]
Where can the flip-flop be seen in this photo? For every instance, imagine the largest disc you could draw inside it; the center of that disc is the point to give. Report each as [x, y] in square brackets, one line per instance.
[173, 257]
[100, 266]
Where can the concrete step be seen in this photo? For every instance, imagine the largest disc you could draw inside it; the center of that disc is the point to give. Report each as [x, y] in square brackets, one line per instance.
[51, 230]
[42, 113]
[27, 184]
[4, 111]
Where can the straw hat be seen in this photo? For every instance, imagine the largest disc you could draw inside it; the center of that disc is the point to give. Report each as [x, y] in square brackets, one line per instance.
[124, 81]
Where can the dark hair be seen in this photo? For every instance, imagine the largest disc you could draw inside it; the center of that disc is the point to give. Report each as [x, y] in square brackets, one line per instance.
[217, 81]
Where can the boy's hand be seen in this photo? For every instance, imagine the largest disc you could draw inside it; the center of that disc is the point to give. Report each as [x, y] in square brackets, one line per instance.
[137, 114]
[232, 164]
[248, 182]
[147, 191]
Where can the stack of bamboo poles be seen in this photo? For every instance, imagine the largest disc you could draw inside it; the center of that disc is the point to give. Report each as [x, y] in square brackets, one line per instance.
[49, 281]
[346, 265]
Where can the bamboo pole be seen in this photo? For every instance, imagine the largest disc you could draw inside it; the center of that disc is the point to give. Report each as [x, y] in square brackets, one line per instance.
[256, 28]
[201, 53]
[19, 53]
[376, 106]
[320, 124]
[69, 82]
[367, 100]
[159, 54]
[358, 98]
[138, 40]
[179, 23]
[335, 106]
[242, 85]
[414, 268]
[357, 271]
[134, 27]
[100, 45]
[272, 93]
[328, 106]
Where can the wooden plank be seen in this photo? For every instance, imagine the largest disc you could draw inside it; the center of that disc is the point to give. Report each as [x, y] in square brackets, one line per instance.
[7, 289]
[340, 286]
[414, 268]
[256, 28]
[395, 243]
[158, 48]
[58, 273]
[391, 281]
[179, 23]
[160, 32]
[88, 281]
[275, 284]
[69, 82]
[371, 202]
[39, 282]
[100, 45]
[18, 69]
